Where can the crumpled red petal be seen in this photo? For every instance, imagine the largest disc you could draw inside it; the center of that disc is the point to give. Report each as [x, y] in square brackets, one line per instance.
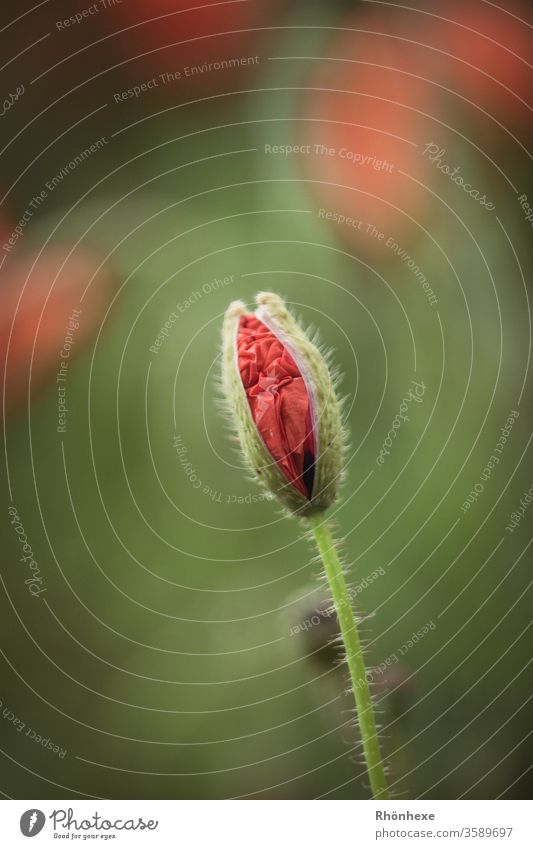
[279, 401]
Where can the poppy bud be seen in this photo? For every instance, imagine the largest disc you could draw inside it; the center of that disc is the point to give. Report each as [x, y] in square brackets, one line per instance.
[282, 400]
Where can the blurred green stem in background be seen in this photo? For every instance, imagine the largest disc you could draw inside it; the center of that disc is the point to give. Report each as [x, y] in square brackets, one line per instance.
[354, 655]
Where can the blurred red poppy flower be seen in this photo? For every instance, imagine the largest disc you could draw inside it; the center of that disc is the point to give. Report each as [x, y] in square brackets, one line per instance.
[371, 103]
[38, 297]
[489, 55]
[279, 401]
[206, 43]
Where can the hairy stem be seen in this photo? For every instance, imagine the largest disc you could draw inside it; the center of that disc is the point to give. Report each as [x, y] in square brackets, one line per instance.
[354, 656]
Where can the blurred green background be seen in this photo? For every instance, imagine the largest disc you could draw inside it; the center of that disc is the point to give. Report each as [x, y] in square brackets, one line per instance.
[161, 656]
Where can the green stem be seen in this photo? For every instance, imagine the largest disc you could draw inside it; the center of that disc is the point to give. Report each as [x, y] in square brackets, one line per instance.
[354, 656]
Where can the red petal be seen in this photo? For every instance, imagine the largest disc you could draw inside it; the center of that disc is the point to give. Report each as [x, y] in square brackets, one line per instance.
[279, 401]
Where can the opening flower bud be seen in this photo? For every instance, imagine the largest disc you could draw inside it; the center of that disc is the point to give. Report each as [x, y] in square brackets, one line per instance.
[282, 400]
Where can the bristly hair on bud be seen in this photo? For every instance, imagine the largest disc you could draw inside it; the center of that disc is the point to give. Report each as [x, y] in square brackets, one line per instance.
[281, 397]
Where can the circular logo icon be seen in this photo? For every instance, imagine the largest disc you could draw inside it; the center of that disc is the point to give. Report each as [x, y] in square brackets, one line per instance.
[32, 822]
